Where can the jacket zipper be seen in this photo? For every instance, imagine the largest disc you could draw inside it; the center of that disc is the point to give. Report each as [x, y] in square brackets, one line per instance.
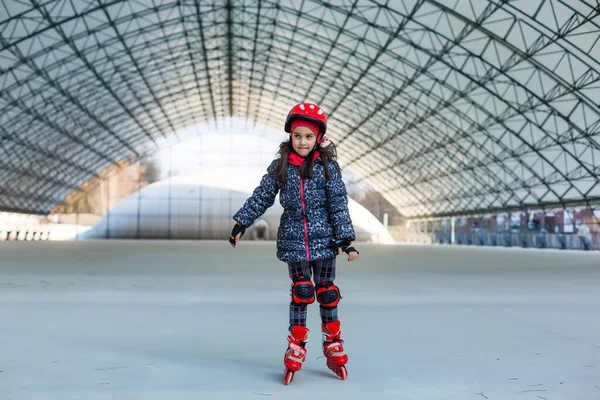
[304, 218]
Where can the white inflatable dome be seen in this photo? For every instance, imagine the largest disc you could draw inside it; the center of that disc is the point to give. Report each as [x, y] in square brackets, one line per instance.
[201, 207]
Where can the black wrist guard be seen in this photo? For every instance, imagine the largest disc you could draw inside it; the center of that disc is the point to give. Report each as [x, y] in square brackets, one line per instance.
[236, 229]
[350, 250]
[340, 244]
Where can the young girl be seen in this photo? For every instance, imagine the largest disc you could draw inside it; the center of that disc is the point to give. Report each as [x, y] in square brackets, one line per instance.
[315, 227]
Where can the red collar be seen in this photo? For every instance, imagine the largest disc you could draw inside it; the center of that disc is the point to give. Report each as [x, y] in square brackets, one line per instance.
[296, 160]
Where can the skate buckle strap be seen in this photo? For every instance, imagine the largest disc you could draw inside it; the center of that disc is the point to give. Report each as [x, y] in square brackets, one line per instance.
[296, 359]
[330, 345]
[295, 342]
[297, 347]
[333, 350]
[334, 346]
[296, 353]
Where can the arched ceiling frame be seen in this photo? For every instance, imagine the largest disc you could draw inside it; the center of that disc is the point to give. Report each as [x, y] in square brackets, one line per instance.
[446, 107]
[370, 116]
[558, 172]
[399, 91]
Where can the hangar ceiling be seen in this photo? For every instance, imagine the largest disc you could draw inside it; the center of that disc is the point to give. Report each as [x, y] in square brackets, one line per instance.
[445, 107]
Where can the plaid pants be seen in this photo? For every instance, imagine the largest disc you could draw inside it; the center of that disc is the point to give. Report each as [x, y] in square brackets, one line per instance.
[320, 271]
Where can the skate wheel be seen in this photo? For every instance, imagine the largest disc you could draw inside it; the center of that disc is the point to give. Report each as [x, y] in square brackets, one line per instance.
[339, 370]
[343, 373]
[289, 375]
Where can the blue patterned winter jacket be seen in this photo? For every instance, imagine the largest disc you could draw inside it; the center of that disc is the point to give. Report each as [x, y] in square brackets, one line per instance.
[315, 211]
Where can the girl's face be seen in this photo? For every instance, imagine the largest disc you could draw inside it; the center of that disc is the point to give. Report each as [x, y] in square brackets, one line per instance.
[303, 140]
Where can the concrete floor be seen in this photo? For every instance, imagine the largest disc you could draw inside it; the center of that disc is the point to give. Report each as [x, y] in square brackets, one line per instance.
[199, 320]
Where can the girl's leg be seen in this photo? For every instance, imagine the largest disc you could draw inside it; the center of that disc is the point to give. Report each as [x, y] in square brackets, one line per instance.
[302, 293]
[298, 311]
[329, 296]
[325, 272]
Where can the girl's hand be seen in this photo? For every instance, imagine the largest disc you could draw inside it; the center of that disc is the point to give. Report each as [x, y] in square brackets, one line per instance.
[235, 239]
[236, 233]
[353, 255]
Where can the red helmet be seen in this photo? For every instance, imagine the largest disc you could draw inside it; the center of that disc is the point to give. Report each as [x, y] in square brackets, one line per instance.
[308, 111]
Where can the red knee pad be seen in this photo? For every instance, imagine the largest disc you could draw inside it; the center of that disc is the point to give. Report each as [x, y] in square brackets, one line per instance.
[303, 291]
[328, 295]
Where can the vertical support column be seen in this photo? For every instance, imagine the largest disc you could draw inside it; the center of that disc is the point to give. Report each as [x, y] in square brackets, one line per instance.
[385, 225]
[3, 227]
[169, 196]
[107, 183]
[139, 198]
[201, 170]
[77, 221]
[231, 167]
